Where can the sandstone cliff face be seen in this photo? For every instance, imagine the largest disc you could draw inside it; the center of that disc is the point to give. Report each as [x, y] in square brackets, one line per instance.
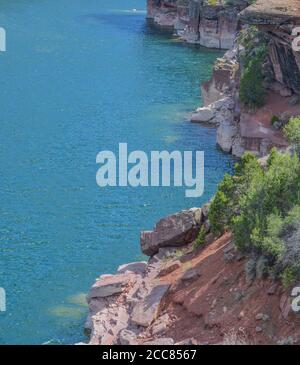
[163, 13]
[196, 21]
[212, 26]
[278, 21]
[252, 130]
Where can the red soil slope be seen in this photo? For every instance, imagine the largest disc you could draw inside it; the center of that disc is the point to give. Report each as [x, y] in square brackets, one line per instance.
[220, 306]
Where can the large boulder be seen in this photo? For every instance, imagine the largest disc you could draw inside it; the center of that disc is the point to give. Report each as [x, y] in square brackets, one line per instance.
[128, 337]
[108, 324]
[176, 230]
[146, 311]
[133, 267]
[109, 285]
[226, 134]
[203, 115]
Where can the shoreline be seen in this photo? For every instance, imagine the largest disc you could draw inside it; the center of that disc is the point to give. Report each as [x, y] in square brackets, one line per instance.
[129, 277]
[146, 302]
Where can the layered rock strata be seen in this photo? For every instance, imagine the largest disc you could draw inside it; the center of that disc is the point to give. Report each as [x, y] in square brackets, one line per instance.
[241, 129]
[127, 307]
[190, 295]
[198, 21]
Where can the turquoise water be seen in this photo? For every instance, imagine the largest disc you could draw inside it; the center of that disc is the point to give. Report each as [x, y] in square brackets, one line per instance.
[78, 77]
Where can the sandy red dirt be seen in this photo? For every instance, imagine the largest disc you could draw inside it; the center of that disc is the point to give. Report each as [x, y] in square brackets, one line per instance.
[220, 304]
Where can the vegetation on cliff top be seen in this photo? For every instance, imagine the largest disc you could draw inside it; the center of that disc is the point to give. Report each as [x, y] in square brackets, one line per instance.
[229, 2]
[292, 133]
[261, 205]
[252, 57]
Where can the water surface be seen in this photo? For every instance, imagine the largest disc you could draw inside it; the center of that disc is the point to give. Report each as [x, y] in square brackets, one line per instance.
[78, 77]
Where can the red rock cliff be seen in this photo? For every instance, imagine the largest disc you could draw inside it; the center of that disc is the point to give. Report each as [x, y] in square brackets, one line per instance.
[196, 21]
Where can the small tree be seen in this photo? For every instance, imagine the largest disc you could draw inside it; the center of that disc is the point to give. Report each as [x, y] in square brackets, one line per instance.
[252, 92]
[200, 240]
[223, 205]
[292, 132]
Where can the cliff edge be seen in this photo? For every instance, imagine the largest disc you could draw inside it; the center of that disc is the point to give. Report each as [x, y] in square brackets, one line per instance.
[261, 76]
[196, 287]
[190, 295]
[211, 24]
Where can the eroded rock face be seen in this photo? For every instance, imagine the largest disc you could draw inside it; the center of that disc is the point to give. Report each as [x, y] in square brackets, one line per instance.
[223, 79]
[218, 27]
[212, 26]
[162, 13]
[226, 134]
[203, 115]
[108, 286]
[277, 19]
[240, 129]
[175, 230]
[128, 337]
[133, 267]
[222, 112]
[128, 309]
[197, 21]
[106, 320]
[146, 311]
[272, 12]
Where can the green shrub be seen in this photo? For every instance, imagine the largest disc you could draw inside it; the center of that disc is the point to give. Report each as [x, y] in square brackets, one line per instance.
[292, 132]
[221, 209]
[269, 242]
[247, 36]
[268, 194]
[274, 119]
[252, 92]
[260, 205]
[200, 240]
[292, 217]
[226, 201]
[212, 2]
[289, 276]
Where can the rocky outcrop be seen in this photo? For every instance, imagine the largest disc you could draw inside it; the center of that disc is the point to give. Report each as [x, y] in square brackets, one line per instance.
[191, 297]
[146, 310]
[221, 115]
[223, 80]
[128, 307]
[241, 129]
[108, 285]
[176, 230]
[203, 115]
[198, 21]
[212, 26]
[162, 13]
[123, 316]
[272, 12]
[278, 20]
[202, 295]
